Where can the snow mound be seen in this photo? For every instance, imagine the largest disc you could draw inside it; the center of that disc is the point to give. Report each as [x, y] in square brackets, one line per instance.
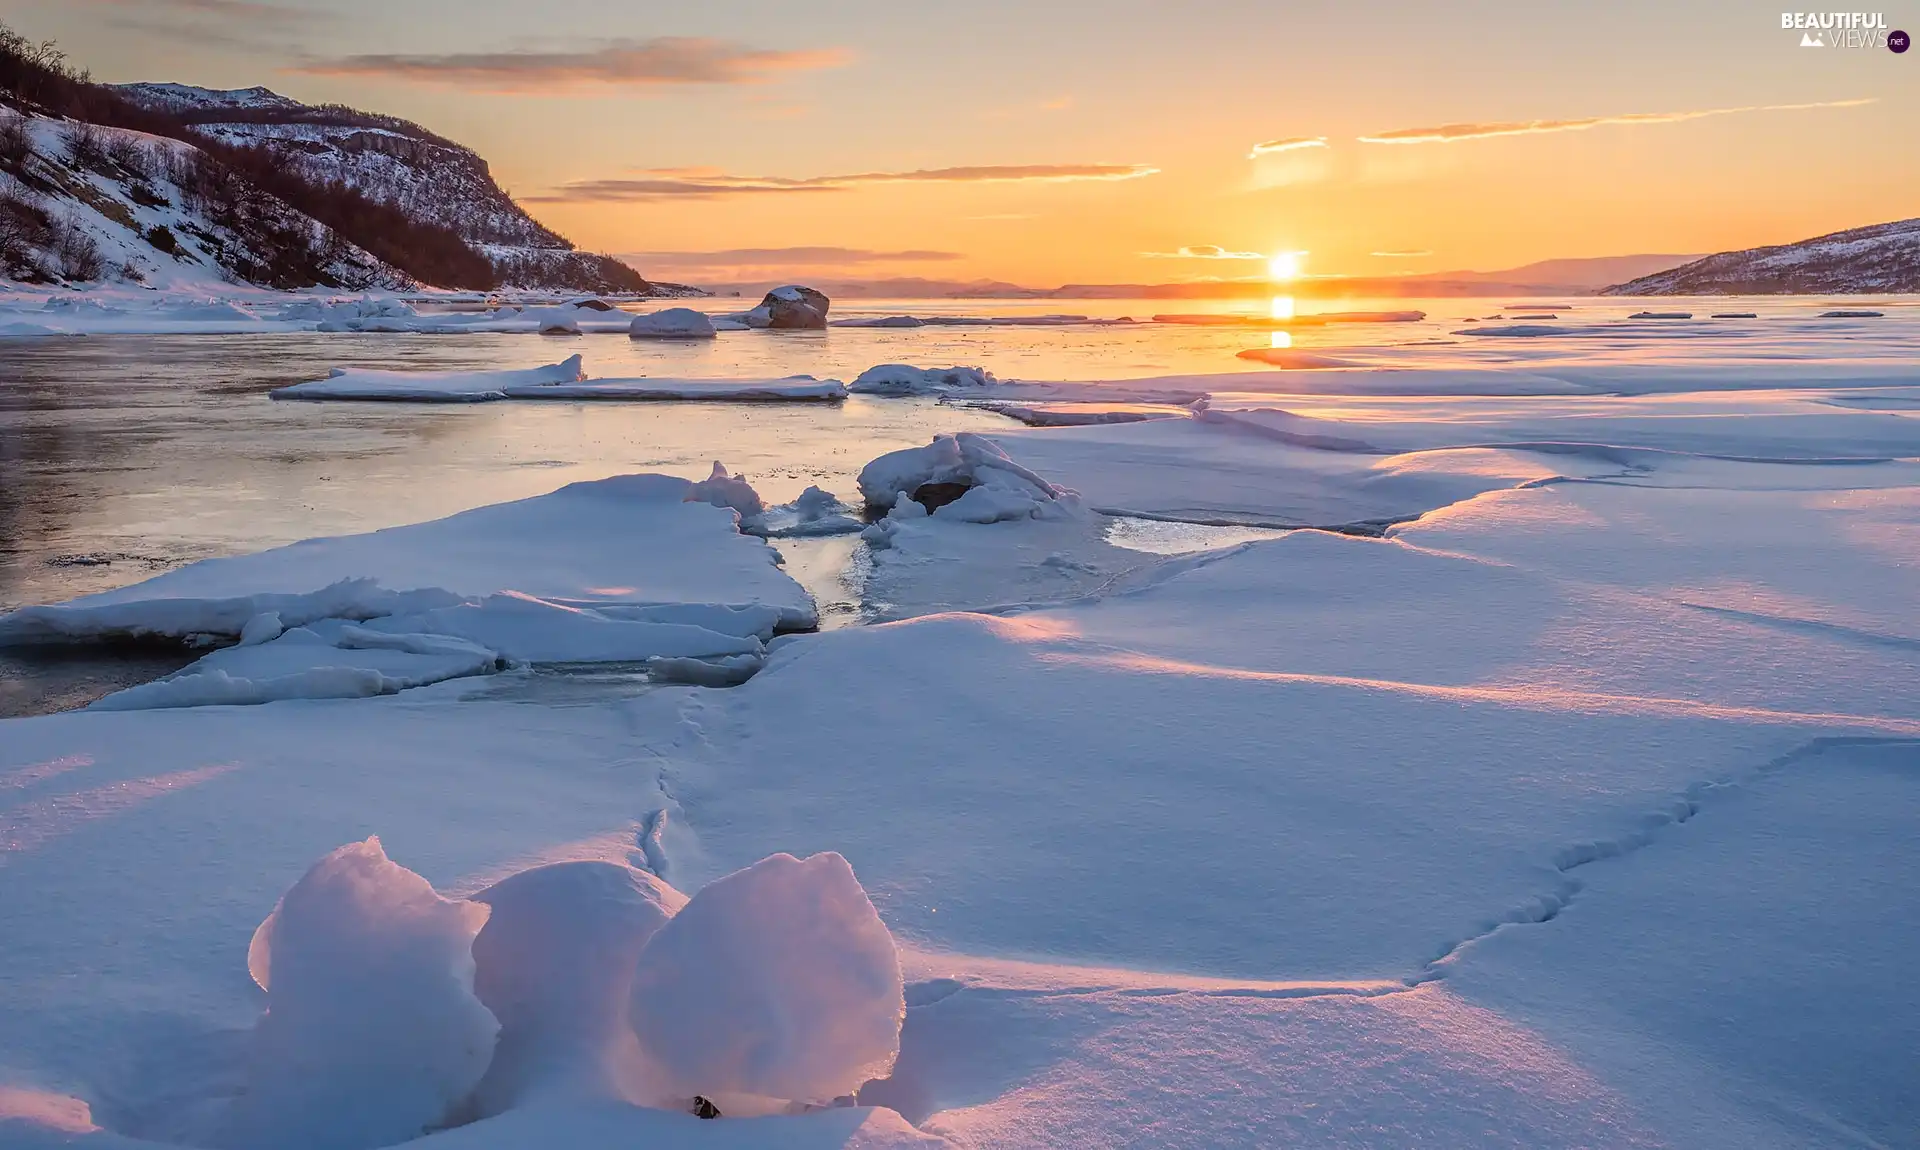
[673, 323]
[372, 1033]
[950, 465]
[555, 965]
[898, 379]
[430, 386]
[778, 982]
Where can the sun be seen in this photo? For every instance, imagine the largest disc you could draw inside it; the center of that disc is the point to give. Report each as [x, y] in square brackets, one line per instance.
[1284, 266]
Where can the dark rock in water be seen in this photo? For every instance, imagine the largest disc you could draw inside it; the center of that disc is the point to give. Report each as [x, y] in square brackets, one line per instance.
[1851, 314]
[795, 308]
[1735, 315]
[934, 496]
[704, 1109]
[593, 305]
[1661, 315]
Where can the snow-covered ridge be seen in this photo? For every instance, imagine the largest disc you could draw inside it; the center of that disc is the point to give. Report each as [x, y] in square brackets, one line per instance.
[1880, 258]
[82, 203]
[397, 162]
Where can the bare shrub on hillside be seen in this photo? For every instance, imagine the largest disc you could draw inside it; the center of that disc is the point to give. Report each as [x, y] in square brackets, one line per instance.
[24, 233]
[76, 256]
[85, 145]
[16, 142]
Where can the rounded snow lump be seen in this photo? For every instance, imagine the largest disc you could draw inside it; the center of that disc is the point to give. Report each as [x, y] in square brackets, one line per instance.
[778, 981]
[555, 965]
[372, 1032]
[673, 323]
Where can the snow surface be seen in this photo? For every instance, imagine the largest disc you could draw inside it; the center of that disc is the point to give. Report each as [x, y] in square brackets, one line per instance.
[1563, 801]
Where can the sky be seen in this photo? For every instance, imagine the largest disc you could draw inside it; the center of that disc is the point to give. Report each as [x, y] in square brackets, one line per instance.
[1060, 141]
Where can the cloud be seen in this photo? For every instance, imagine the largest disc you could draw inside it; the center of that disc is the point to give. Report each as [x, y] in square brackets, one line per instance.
[251, 24]
[1204, 252]
[659, 62]
[1451, 133]
[1400, 255]
[250, 10]
[1290, 144]
[789, 257]
[681, 183]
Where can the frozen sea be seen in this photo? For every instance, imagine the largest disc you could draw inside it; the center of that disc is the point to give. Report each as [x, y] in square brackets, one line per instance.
[1495, 729]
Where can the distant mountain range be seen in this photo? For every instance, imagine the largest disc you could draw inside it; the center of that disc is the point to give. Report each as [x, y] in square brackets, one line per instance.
[1879, 259]
[1545, 278]
[173, 184]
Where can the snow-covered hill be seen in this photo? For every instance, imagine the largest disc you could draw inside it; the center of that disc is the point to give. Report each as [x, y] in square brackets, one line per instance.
[394, 162]
[83, 203]
[1881, 258]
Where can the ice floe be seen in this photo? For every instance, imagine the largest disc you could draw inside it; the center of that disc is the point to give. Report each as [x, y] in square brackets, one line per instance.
[905, 379]
[672, 323]
[566, 380]
[431, 386]
[630, 569]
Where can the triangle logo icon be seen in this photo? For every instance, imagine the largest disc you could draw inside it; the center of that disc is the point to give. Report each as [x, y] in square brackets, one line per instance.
[1809, 40]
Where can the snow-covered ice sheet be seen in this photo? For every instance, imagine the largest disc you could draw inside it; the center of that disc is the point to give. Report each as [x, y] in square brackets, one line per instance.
[1210, 473]
[1775, 424]
[791, 389]
[629, 541]
[431, 386]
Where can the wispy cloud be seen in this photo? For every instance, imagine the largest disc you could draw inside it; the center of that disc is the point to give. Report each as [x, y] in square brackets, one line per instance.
[1289, 144]
[253, 24]
[790, 257]
[1409, 255]
[249, 10]
[659, 62]
[1204, 252]
[670, 183]
[1452, 133]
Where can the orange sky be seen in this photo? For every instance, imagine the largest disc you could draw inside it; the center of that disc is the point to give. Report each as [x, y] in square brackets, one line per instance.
[1089, 142]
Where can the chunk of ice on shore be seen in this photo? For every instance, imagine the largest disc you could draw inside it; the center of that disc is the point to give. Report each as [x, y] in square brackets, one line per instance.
[372, 1033]
[430, 386]
[776, 982]
[965, 460]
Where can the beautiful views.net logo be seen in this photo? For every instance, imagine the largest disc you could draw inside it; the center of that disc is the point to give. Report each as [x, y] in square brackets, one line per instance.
[1844, 30]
